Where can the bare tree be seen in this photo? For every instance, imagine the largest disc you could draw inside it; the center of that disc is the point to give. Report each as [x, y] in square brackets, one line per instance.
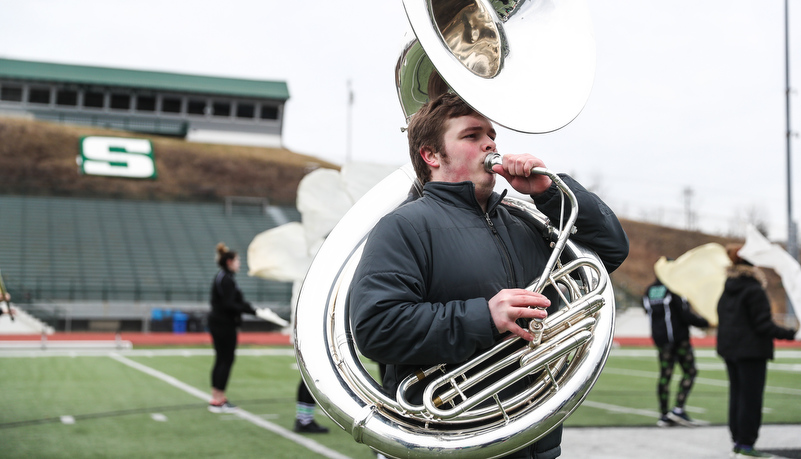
[689, 213]
[753, 214]
[758, 216]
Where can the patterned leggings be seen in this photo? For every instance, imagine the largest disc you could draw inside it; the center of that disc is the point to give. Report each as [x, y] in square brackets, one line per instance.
[669, 355]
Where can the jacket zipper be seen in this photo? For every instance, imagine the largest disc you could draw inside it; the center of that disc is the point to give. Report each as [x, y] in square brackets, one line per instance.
[504, 252]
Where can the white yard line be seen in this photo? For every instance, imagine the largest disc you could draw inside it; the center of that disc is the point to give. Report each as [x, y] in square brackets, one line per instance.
[646, 352]
[707, 381]
[28, 353]
[654, 375]
[621, 409]
[288, 434]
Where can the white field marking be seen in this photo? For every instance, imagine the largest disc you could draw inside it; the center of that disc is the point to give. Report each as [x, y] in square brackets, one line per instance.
[626, 410]
[772, 366]
[707, 381]
[789, 367]
[237, 418]
[158, 417]
[288, 352]
[694, 409]
[772, 389]
[618, 352]
[720, 366]
[621, 409]
[648, 413]
[67, 419]
[288, 434]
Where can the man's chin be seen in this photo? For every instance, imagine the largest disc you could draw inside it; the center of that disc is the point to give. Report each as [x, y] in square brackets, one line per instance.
[485, 189]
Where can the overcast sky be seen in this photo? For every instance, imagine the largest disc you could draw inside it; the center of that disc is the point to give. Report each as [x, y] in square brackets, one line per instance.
[688, 95]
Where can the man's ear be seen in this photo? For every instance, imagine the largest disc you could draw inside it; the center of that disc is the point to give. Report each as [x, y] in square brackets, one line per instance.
[430, 156]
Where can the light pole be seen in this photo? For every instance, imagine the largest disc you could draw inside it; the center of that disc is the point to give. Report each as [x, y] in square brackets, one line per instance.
[349, 133]
[792, 240]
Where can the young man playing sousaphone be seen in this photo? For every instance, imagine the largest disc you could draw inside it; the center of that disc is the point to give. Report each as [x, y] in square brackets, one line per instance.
[442, 277]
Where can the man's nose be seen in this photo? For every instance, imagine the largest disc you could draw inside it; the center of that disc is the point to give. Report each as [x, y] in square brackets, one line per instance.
[490, 145]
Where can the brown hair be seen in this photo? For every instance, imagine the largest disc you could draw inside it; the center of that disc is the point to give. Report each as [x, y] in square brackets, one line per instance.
[427, 128]
[224, 254]
[731, 251]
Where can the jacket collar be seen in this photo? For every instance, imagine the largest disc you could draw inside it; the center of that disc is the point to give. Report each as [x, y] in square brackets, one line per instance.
[461, 194]
[743, 270]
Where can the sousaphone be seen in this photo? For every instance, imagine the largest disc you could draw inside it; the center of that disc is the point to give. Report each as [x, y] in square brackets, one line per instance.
[528, 66]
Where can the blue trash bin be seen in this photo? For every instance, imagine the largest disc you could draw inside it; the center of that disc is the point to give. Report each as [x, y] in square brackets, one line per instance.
[179, 322]
[160, 320]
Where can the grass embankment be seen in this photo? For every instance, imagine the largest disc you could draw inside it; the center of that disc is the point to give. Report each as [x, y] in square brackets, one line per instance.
[38, 158]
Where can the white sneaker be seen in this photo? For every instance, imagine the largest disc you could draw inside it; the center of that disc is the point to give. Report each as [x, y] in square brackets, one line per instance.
[224, 407]
[680, 417]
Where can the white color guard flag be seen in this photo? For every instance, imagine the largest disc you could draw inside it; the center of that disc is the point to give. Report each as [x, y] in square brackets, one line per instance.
[760, 252]
[284, 253]
[279, 254]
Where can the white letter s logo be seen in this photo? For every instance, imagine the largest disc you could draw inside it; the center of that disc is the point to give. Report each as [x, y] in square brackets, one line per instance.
[117, 157]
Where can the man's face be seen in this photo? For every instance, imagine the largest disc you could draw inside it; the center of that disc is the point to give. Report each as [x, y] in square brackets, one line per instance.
[467, 141]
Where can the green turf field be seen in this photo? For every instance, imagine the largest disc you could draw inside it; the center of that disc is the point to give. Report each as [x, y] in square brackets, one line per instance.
[98, 406]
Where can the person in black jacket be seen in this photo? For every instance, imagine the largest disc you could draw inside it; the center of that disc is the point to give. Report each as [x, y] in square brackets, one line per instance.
[670, 316]
[227, 306]
[442, 277]
[745, 342]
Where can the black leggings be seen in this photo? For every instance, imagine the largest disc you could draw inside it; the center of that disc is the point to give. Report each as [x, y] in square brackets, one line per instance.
[746, 394]
[669, 355]
[224, 339]
[304, 396]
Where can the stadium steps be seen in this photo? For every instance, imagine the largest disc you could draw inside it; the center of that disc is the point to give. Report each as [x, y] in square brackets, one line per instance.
[23, 324]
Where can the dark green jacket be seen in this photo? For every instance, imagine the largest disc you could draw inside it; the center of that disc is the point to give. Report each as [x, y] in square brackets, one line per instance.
[419, 295]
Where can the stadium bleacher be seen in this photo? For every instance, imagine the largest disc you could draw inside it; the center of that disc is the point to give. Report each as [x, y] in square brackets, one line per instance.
[84, 261]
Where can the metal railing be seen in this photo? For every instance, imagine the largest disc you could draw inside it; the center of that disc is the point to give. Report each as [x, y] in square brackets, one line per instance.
[44, 290]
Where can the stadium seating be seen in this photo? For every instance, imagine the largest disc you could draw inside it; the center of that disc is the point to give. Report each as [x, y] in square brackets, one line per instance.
[123, 254]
